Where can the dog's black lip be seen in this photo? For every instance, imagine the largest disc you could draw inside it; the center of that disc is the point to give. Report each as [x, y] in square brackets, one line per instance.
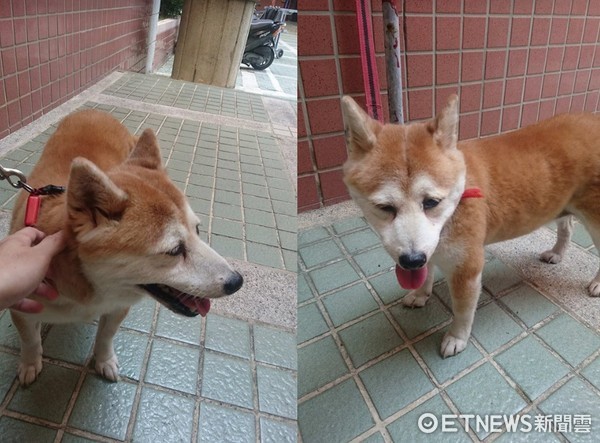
[158, 292]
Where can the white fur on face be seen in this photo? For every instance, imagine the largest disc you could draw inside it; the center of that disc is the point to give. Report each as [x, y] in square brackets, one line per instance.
[412, 229]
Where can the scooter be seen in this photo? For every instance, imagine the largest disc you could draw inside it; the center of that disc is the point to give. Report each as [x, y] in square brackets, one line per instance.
[260, 46]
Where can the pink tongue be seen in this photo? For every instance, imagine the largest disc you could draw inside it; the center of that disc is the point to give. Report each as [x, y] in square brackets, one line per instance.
[411, 279]
[196, 304]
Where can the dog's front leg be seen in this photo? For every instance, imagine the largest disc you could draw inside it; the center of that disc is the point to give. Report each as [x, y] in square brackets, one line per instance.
[107, 364]
[465, 287]
[30, 363]
[418, 297]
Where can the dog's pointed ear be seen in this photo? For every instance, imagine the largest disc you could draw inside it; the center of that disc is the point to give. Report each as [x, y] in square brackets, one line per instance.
[444, 127]
[146, 152]
[361, 130]
[92, 197]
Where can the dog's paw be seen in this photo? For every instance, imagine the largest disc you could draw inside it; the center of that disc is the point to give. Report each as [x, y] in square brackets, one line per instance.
[551, 257]
[109, 369]
[28, 372]
[415, 299]
[452, 345]
[594, 288]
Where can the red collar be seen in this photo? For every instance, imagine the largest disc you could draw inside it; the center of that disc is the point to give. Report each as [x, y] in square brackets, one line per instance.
[472, 193]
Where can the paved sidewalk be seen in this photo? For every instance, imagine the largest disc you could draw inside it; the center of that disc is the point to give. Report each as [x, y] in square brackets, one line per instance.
[369, 367]
[230, 376]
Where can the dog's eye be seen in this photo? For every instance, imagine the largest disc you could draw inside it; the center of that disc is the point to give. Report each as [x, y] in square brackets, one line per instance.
[430, 203]
[387, 208]
[177, 251]
[198, 229]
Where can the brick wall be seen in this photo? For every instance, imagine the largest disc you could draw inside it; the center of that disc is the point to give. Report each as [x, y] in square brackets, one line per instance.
[166, 36]
[511, 62]
[50, 50]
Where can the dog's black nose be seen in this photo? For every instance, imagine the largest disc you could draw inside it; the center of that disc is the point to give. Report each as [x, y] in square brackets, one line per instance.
[234, 283]
[412, 260]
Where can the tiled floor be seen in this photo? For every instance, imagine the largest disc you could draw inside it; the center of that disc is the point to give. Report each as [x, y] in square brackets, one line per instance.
[218, 379]
[229, 377]
[369, 367]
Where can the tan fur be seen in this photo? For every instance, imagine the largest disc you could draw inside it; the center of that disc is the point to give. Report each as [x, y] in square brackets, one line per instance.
[528, 178]
[122, 217]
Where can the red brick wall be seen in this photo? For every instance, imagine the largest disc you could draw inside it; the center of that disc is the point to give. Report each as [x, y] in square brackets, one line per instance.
[50, 50]
[165, 41]
[511, 62]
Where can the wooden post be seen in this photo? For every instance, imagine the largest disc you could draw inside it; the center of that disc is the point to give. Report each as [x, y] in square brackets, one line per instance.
[212, 37]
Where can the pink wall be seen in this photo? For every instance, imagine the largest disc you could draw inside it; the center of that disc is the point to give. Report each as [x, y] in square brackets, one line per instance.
[50, 50]
[512, 63]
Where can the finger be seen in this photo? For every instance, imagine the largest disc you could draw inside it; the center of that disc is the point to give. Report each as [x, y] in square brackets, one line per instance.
[47, 291]
[30, 234]
[28, 306]
[52, 244]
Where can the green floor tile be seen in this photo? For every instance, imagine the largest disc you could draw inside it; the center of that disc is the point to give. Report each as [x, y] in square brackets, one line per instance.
[8, 372]
[262, 234]
[374, 261]
[228, 335]
[227, 228]
[581, 236]
[524, 359]
[497, 277]
[575, 398]
[406, 428]
[167, 359]
[70, 438]
[529, 305]
[562, 332]
[130, 348]
[359, 240]
[304, 291]
[350, 303]
[264, 255]
[333, 276]
[310, 322]
[369, 338]
[415, 321]
[349, 224]
[444, 369]
[318, 253]
[163, 417]
[387, 287]
[523, 435]
[374, 438]
[49, 396]
[318, 364]
[176, 327]
[141, 315]
[227, 379]
[103, 407]
[492, 396]
[275, 347]
[9, 336]
[493, 327]
[592, 372]
[275, 431]
[277, 391]
[219, 423]
[227, 247]
[395, 382]
[70, 342]
[258, 217]
[13, 430]
[340, 411]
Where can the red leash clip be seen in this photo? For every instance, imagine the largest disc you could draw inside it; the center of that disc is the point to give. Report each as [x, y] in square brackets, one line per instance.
[32, 209]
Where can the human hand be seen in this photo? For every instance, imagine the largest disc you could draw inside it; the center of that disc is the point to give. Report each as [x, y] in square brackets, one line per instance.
[24, 261]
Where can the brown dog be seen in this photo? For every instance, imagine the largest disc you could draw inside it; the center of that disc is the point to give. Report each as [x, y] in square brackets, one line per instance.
[412, 182]
[130, 233]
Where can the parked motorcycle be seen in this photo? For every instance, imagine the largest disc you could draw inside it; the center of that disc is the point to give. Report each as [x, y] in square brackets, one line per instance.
[260, 46]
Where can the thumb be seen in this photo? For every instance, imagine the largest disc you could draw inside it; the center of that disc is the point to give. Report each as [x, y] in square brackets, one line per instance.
[52, 244]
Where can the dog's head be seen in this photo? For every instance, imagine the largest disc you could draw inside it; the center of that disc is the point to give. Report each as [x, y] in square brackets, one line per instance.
[134, 229]
[407, 179]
